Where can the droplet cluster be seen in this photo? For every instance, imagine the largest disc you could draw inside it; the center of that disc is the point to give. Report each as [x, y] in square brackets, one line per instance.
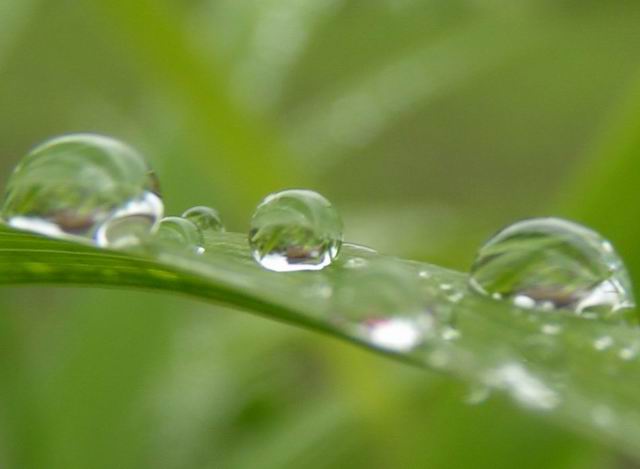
[95, 189]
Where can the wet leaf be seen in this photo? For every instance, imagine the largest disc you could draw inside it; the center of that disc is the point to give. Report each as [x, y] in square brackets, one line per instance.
[582, 374]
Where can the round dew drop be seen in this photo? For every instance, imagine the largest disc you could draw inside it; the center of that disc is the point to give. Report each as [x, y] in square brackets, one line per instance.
[553, 264]
[179, 232]
[84, 187]
[295, 230]
[206, 219]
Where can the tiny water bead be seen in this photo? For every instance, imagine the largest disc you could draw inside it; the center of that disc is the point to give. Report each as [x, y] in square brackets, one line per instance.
[179, 232]
[382, 304]
[207, 219]
[84, 187]
[295, 230]
[525, 387]
[552, 264]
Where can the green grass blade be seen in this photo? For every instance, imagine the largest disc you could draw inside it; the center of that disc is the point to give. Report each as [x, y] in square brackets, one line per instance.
[582, 374]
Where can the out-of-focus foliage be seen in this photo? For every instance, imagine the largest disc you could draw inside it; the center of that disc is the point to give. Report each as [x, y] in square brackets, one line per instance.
[428, 123]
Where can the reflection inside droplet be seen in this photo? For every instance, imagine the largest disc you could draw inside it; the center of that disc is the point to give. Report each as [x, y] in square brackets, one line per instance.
[295, 230]
[397, 334]
[84, 187]
[552, 264]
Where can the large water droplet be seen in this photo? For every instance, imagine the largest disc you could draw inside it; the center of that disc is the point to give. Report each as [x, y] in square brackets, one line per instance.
[206, 219]
[382, 304]
[551, 264]
[84, 187]
[295, 230]
[179, 232]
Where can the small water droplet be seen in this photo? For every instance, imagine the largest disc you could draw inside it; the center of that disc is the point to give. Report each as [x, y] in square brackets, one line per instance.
[424, 274]
[551, 329]
[628, 353]
[552, 264]
[399, 334]
[131, 224]
[603, 343]
[456, 297]
[355, 263]
[295, 230]
[477, 395]
[446, 287]
[603, 416]
[449, 333]
[207, 219]
[525, 387]
[381, 303]
[179, 232]
[523, 301]
[84, 187]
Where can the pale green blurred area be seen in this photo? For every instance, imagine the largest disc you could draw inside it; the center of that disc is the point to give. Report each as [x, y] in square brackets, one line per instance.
[430, 124]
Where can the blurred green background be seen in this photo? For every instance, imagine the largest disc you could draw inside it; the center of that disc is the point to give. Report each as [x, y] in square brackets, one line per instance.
[429, 123]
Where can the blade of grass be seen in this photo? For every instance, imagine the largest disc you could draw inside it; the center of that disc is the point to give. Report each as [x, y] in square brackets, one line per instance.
[564, 375]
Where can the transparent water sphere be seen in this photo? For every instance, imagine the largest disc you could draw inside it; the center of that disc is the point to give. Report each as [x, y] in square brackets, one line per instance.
[550, 263]
[179, 232]
[84, 187]
[295, 230]
[382, 304]
[207, 219]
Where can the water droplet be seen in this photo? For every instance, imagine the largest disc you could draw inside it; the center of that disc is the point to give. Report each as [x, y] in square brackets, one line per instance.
[477, 395]
[355, 263]
[603, 416]
[449, 333]
[523, 301]
[399, 334]
[525, 387]
[179, 232]
[131, 223]
[551, 329]
[552, 264]
[295, 230]
[84, 187]
[381, 303]
[603, 343]
[206, 219]
[455, 297]
[628, 353]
